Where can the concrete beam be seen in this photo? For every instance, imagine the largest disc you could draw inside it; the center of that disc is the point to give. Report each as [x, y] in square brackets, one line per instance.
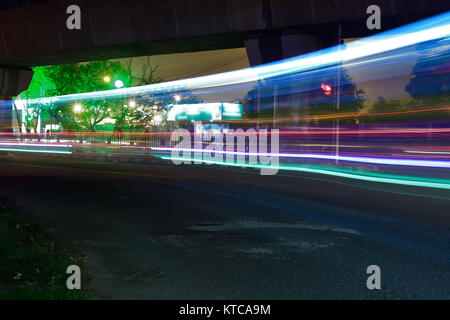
[37, 35]
[271, 46]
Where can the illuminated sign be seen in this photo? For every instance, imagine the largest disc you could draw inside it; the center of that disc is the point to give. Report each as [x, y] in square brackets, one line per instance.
[204, 112]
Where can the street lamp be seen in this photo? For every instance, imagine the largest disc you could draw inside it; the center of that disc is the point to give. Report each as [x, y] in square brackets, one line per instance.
[77, 108]
[177, 98]
[157, 119]
[107, 79]
[118, 84]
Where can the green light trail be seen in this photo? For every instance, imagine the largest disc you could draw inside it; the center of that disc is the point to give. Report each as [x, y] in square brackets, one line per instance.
[343, 173]
[36, 150]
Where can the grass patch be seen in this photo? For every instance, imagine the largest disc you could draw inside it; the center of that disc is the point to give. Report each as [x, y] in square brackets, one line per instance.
[32, 265]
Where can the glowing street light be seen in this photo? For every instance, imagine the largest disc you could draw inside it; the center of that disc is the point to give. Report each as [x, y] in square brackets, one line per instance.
[107, 79]
[118, 84]
[157, 119]
[77, 108]
[132, 103]
[177, 98]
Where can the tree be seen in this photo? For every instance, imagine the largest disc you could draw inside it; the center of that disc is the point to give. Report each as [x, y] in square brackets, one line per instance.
[39, 86]
[141, 115]
[92, 113]
[306, 94]
[430, 81]
[32, 115]
[66, 79]
[138, 117]
[147, 74]
[74, 78]
[325, 91]
[381, 105]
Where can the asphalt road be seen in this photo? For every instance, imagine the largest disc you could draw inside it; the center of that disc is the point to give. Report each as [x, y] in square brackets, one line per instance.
[194, 232]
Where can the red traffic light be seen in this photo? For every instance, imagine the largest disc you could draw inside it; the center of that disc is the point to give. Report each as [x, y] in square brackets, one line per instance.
[326, 89]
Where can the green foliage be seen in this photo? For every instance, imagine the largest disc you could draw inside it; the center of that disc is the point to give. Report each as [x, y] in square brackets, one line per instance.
[381, 105]
[75, 78]
[402, 109]
[32, 265]
[66, 79]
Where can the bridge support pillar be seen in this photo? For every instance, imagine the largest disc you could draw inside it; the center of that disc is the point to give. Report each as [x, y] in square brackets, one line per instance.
[12, 82]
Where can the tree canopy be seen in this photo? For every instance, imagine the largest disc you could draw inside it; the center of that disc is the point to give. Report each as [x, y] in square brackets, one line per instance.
[57, 80]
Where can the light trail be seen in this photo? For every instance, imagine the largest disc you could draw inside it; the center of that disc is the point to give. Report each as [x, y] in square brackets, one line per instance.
[427, 152]
[385, 161]
[306, 131]
[36, 144]
[36, 150]
[342, 115]
[350, 174]
[372, 131]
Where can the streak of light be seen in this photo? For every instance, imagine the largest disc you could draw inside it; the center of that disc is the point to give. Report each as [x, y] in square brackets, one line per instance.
[36, 150]
[36, 144]
[427, 152]
[306, 131]
[365, 176]
[385, 161]
[341, 116]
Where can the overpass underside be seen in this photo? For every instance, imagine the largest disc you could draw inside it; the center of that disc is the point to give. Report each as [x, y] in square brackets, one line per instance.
[269, 29]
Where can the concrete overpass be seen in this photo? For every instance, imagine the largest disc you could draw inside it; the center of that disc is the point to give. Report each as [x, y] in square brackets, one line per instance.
[36, 34]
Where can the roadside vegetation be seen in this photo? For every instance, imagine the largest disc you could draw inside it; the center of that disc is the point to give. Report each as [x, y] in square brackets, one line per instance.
[32, 264]
[100, 114]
